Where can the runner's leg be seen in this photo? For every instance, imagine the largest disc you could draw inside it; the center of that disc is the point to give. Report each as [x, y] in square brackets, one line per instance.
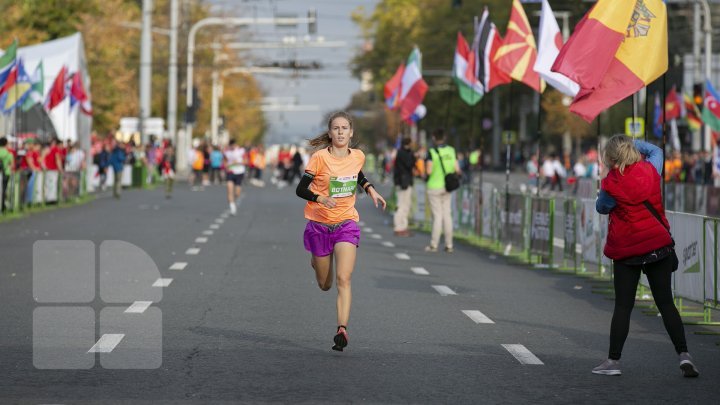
[345, 263]
[323, 270]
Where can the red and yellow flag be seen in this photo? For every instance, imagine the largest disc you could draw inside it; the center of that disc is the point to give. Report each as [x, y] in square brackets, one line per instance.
[619, 47]
[518, 53]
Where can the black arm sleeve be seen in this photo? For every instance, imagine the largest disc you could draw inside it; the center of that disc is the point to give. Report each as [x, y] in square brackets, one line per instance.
[363, 182]
[303, 188]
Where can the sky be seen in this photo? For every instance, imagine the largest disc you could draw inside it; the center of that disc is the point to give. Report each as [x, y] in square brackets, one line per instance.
[329, 88]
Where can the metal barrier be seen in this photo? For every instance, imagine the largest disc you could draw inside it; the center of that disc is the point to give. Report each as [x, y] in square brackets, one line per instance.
[567, 234]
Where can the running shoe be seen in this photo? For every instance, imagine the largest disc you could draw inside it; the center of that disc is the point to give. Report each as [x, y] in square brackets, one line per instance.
[340, 339]
[687, 366]
[431, 248]
[233, 209]
[449, 249]
[608, 367]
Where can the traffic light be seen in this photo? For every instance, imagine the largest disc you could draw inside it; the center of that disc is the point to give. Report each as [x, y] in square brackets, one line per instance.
[312, 25]
[698, 94]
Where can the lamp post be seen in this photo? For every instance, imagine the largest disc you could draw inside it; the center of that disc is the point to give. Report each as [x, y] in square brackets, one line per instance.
[184, 141]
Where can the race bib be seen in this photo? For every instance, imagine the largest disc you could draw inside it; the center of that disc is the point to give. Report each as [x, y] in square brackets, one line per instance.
[343, 186]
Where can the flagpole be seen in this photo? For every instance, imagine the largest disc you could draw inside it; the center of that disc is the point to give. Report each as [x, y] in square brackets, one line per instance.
[664, 136]
[646, 114]
[539, 135]
[507, 165]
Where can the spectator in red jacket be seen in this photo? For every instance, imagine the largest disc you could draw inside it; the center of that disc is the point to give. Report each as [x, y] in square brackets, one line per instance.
[638, 240]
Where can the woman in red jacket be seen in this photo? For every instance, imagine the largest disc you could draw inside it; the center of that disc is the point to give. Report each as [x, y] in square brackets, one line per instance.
[638, 240]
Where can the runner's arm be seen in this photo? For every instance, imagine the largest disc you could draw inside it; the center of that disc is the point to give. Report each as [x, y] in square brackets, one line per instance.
[364, 182]
[303, 188]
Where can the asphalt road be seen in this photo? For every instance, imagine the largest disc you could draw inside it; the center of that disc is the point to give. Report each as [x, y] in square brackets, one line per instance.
[244, 320]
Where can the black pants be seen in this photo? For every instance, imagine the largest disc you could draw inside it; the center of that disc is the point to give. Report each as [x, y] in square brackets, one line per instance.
[626, 279]
[5, 182]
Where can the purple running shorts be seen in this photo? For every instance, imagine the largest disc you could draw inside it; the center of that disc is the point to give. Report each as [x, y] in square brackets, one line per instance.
[320, 239]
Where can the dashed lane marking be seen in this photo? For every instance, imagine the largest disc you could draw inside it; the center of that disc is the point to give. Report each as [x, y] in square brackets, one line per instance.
[178, 266]
[361, 223]
[107, 343]
[162, 282]
[388, 244]
[192, 251]
[201, 240]
[208, 232]
[477, 316]
[214, 226]
[522, 354]
[402, 256]
[444, 290]
[376, 236]
[138, 307]
[219, 221]
[419, 271]
[368, 230]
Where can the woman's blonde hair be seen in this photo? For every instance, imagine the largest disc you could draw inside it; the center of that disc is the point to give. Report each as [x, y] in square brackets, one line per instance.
[621, 151]
[323, 140]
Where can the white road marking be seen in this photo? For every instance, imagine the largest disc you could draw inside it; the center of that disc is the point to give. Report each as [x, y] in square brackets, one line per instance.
[219, 221]
[224, 216]
[162, 282]
[376, 236]
[208, 232]
[178, 266]
[388, 244]
[138, 307]
[192, 251]
[522, 354]
[107, 343]
[367, 230]
[201, 240]
[402, 256]
[361, 223]
[419, 271]
[477, 316]
[214, 226]
[444, 290]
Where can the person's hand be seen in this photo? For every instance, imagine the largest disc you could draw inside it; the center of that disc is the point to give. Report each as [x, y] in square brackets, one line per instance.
[376, 197]
[327, 202]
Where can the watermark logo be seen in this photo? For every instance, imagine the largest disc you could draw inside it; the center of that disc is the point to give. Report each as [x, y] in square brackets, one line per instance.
[73, 326]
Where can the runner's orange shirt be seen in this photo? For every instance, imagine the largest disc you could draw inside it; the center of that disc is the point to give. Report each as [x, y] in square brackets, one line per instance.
[335, 177]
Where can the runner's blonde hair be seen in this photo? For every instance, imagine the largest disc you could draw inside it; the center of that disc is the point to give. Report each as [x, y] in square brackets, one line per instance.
[621, 151]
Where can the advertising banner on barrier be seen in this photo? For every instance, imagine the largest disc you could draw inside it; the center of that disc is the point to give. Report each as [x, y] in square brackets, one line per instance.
[51, 186]
[710, 261]
[420, 199]
[540, 227]
[488, 208]
[38, 188]
[589, 231]
[466, 216]
[477, 206]
[512, 222]
[686, 229]
[570, 229]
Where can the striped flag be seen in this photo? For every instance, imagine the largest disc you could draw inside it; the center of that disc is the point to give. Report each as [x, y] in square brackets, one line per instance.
[392, 88]
[549, 43]
[7, 61]
[485, 45]
[471, 90]
[711, 107]
[16, 88]
[37, 90]
[412, 86]
[692, 114]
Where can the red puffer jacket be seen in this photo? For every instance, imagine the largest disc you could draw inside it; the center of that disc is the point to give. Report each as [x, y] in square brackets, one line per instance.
[633, 230]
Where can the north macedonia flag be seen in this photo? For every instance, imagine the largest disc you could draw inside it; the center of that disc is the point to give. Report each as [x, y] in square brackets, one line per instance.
[518, 53]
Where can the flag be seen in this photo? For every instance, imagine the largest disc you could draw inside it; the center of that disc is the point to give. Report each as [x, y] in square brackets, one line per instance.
[79, 95]
[518, 52]
[392, 88]
[7, 61]
[57, 92]
[711, 108]
[692, 115]
[617, 48]
[549, 43]
[37, 90]
[658, 121]
[412, 86]
[485, 45]
[16, 88]
[471, 90]
[672, 105]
